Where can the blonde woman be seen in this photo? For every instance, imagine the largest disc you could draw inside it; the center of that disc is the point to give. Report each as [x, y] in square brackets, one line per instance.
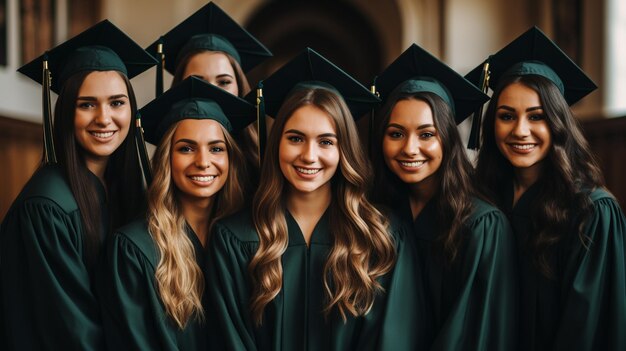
[151, 280]
[311, 266]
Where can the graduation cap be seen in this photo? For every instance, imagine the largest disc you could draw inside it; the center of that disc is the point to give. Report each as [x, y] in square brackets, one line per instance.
[102, 47]
[210, 28]
[310, 69]
[416, 70]
[533, 53]
[194, 98]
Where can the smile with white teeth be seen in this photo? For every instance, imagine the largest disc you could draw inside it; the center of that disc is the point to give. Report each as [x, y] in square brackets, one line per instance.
[523, 146]
[412, 164]
[102, 135]
[308, 171]
[202, 178]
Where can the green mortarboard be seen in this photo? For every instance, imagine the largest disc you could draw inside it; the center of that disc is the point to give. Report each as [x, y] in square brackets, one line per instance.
[194, 98]
[103, 47]
[415, 70]
[533, 53]
[310, 69]
[210, 28]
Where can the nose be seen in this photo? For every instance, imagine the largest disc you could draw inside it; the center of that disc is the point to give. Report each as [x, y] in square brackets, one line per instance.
[521, 128]
[103, 115]
[203, 161]
[411, 146]
[309, 153]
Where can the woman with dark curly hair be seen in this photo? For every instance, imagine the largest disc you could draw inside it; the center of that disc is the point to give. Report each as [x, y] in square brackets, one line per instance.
[466, 245]
[536, 165]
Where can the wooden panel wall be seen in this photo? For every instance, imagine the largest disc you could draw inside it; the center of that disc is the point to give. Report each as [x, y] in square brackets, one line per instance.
[20, 154]
[608, 141]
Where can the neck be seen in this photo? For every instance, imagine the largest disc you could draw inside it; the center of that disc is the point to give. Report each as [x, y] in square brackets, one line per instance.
[309, 204]
[97, 167]
[421, 193]
[524, 179]
[198, 215]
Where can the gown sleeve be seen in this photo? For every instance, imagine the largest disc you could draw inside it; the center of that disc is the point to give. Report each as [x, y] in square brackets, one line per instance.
[228, 314]
[594, 287]
[484, 313]
[132, 313]
[48, 299]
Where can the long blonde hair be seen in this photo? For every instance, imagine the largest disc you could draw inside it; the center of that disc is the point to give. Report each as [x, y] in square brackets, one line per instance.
[179, 279]
[362, 250]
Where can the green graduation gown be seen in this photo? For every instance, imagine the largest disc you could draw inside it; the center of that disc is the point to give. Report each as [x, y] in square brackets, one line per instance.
[46, 293]
[474, 300]
[134, 317]
[584, 306]
[294, 319]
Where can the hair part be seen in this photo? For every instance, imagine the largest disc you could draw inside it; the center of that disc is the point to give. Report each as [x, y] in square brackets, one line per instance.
[362, 250]
[569, 173]
[179, 278]
[123, 175]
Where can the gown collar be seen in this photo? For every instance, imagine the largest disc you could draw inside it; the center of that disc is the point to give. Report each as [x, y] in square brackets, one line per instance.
[321, 232]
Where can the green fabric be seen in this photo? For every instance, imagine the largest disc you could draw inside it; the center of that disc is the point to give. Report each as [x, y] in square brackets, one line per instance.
[473, 300]
[428, 85]
[294, 319]
[91, 58]
[584, 306]
[47, 301]
[134, 317]
[210, 42]
[535, 67]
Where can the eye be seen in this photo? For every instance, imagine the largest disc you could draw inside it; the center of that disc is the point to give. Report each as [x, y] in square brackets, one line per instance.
[185, 149]
[118, 103]
[505, 116]
[537, 117]
[224, 82]
[217, 149]
[326, 142]
[86, 105]
[395, 134]
[427, 135]
[295, 138]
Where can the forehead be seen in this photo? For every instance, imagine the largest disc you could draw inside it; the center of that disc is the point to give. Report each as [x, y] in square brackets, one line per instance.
[103, 83]
[199, 130]
[518, 94]
[310, 119]
[210, 60]
[411, 113]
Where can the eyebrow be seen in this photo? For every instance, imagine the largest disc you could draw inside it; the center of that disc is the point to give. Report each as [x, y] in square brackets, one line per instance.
[323, 135]
[193, 142]
[423, 126]
[93, 98]
[509, 108]
[224, 75]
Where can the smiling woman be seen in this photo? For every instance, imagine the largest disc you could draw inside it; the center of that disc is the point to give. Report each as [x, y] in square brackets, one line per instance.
[53, 233]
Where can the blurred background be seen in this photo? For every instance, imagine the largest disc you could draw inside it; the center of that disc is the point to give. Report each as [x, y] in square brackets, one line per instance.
[360, 36]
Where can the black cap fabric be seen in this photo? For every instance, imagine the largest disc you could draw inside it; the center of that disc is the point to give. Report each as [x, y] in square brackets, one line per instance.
[103, 47]
[310, 69]
[416, 70]
[210, 28]
[194, 98]
[533, 53]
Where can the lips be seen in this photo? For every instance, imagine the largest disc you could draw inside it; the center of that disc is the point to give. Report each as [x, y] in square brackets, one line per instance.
[412, 164]
[308, 171]
[102, 135]
[205, 179]
[523, 148]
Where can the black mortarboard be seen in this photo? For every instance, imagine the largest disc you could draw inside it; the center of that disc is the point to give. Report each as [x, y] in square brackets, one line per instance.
[416, 70]
[194, 98]
[310, 69]
[103, 47]
[210, 28]
[533, 53]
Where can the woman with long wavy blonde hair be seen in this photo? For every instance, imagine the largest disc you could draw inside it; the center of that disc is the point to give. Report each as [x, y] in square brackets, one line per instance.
[152, 280]
[311, 265]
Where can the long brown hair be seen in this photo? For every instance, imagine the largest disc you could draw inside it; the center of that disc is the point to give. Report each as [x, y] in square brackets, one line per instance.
[570, 171]
[122, 176]
[179, 278]
[362, 249]
[453, 198]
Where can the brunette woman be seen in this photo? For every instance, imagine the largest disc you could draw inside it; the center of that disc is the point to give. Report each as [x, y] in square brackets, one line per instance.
[152, 282]
[537, 166]
[311, 265]
[52, 235]
[466, 245]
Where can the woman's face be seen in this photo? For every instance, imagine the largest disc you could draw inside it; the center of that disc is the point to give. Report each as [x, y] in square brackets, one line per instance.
[309, 151]
[215, 68]
[412, 146]
[102, 116]
[199, 159]
[522, 132]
